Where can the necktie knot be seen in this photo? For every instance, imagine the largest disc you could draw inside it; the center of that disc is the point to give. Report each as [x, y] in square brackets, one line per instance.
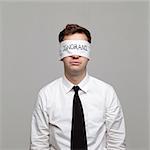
[76, 89]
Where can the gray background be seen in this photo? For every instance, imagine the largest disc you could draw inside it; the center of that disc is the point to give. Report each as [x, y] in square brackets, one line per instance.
[29, 60]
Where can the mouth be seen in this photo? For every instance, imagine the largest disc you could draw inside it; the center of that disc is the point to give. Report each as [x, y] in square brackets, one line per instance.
[75, 63]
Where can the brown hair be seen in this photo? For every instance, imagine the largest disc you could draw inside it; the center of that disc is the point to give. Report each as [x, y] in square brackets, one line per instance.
[72, 29]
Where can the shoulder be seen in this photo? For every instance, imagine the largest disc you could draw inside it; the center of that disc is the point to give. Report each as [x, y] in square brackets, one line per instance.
[101, 87]
[47, 92]
[49, 89]
[97, 83]
[105, 89]
[51, 86]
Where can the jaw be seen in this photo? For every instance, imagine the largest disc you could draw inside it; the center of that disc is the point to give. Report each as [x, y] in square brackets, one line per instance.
[75, 75]
[75, 71]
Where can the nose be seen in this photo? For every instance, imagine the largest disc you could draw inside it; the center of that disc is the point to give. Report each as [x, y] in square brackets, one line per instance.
[75, 56]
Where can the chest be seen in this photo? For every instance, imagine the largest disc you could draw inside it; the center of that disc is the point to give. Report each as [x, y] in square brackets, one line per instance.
[60, 111]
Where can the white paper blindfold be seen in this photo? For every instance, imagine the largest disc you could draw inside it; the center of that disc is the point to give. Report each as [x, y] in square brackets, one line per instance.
[74, 47]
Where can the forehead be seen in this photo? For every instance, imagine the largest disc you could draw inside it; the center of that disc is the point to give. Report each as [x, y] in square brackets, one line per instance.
[76, 36]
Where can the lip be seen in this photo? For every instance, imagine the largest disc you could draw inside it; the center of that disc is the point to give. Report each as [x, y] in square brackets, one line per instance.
[75, 63]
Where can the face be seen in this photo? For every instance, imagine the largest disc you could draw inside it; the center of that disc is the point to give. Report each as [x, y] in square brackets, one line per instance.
[75, 64]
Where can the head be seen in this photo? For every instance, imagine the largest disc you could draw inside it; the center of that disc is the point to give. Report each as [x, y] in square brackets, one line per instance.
[71, 29]
[75, 64]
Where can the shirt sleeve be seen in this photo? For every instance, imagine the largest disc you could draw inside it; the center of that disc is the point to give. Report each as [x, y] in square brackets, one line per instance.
[39, 126]
[115, 124]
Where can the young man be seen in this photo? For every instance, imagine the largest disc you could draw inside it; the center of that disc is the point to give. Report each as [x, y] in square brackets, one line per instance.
[77, 111]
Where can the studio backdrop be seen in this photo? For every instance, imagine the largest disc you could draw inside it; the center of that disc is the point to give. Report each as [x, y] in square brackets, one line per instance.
[30, 60]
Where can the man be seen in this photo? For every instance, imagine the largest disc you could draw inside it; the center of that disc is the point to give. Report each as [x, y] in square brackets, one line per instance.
[77, 111]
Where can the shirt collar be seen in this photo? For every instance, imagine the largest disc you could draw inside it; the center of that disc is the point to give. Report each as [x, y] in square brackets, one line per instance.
[69, 85]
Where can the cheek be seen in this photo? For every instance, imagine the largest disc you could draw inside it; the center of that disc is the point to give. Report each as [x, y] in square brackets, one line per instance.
[66, 61]
[66, 64]
[85, 62]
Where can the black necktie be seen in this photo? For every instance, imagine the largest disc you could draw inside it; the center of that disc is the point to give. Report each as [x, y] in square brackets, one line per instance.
[78, 132]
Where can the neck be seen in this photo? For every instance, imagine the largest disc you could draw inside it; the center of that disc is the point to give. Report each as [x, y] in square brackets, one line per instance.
[75, 78]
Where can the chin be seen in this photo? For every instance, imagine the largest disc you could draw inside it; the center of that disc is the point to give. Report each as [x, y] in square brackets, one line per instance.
[75, 71]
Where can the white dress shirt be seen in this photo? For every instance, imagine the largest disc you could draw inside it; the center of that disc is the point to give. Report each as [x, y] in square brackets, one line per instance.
[52, 116]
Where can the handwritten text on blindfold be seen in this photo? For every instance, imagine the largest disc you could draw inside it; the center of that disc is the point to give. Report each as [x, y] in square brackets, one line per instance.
[74, 47]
